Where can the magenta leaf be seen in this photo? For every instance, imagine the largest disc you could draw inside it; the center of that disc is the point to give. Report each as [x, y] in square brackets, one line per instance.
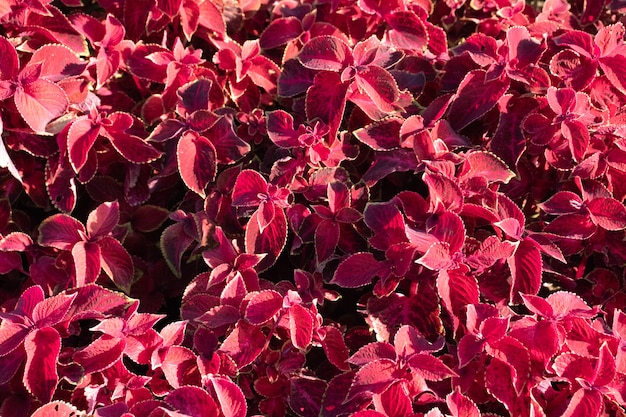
[103, 219]
[584, 403]
[196, 161]
[526, 269]
[230, 397]
[87, 265]
[52, 310]
[461, 406]
[192, 401]
[179, 366]
[280, 31]
[174, 242]
[42, 351]
[380, 86]
[335, 348]
[357, 270]
[607, 213]
[81, 137]
[300, 326]
[407, 31]
[270, 241]
[56, 409]
[306, 394]
[60, 231]
[247, 188]
[116, 262]
[244, 343]
[326, 99]
[430, 367]
[263, 306]
[39, 102]
[373, 378]
[475, 97]
[9, 66]
[100, 354]
[325, 53]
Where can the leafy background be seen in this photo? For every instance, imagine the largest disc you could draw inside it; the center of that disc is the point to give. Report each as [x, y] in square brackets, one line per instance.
[312, 208]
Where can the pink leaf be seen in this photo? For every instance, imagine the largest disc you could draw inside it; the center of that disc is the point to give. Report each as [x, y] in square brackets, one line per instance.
[244, 343]
[39, 102]
[42, 352]
[58, 61]
[443, 192]
[607, 213]
[325, 53]
[300, 326]
[103, 219]
[438, 257]
[192, 401]
[380, 86]
[116, 262]
[475, 97]
[196, 162]
[263, 306]
[356, 270]
[231, 399]
[373, 351]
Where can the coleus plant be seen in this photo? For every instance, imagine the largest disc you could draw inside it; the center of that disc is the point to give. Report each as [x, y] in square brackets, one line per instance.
[332, 208]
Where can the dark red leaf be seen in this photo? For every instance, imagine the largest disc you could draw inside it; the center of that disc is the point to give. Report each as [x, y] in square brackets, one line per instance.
[42, 352]
[325, 53]
[116, 262]
[197, 162]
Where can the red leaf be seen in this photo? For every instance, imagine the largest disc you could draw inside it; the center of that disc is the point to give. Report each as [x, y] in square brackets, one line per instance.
[430, 367]
[380, 86]
[407, 31]
[306, 394]
[488, 166]
[131, 147]
[280, 31]
[103, 219]
[228, 146]
[563, 202]
[231, 398]
[326, 99]
[195, 95]
[192, 401]
[457, 289]
[9, 65]
[526, 269]
[475, 97]
[373, 378]
[443, 193]
[394, 401]
[80, 139]
[42, 352]
[196, 162]
[615, 69]
[270, 241]
[335, 348]
[39, 102]
[86, 262]
[174, 242]
[58, 62]
[263, 306]
[179, 366]
[607, 213]
[373, 351]
[100, 354]
[325, 53]
[51, 311]
[382, 135]
[56, 409]
[584, 403]
[460, 405]
[247, 188]
[572, 226]
[244, 343]
[356, 270]
[438, 257]
[116, 262]
[301, 323]
[326, 240]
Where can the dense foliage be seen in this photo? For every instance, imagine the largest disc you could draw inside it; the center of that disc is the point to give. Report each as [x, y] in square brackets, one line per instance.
[227, 208]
